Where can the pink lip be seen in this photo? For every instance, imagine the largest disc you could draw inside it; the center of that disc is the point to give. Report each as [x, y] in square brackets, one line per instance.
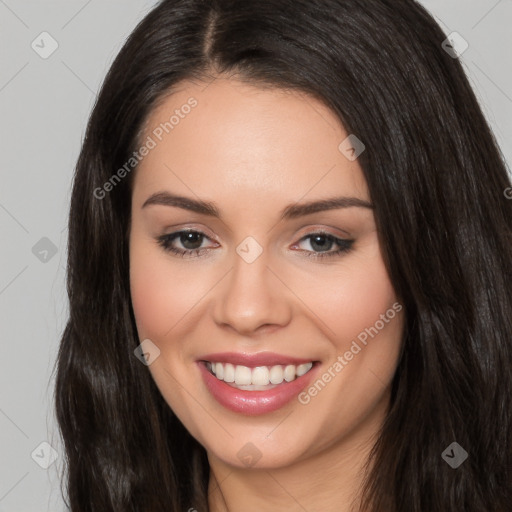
[253, 360]
[254, 402]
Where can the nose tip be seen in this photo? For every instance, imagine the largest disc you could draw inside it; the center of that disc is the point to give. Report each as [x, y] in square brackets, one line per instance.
[252, 301]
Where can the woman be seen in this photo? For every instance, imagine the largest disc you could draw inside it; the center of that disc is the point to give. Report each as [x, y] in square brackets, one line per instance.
[289, 273]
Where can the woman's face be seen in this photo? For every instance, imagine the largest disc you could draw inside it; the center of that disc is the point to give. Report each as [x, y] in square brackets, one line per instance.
[265, 285]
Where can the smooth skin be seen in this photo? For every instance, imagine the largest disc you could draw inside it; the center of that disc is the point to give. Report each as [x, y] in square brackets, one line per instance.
[252, 151]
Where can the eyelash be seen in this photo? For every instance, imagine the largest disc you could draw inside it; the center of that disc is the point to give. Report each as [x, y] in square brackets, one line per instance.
[165, 241]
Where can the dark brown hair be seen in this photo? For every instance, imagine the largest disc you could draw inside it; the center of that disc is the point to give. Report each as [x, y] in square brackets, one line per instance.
[436, 178]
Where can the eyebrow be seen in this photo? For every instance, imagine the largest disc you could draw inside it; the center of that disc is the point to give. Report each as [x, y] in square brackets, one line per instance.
[292, 211]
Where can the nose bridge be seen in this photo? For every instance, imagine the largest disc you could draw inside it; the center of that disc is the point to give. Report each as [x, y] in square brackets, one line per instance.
[251, 295]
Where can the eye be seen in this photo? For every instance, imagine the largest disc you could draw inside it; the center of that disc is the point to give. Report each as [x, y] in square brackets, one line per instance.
[191, 241]
[321, 241]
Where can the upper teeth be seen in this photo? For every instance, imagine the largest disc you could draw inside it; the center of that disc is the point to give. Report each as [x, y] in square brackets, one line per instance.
[260, 375]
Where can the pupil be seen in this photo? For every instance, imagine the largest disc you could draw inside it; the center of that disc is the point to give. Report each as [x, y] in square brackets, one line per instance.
[191, 238]
[314, 241]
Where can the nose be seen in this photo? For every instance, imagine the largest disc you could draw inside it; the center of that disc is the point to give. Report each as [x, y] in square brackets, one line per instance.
[252, 299]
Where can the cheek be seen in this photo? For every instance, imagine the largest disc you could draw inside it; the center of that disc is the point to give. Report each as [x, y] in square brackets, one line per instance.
[352, 390]
[160, 297]
[351, 297]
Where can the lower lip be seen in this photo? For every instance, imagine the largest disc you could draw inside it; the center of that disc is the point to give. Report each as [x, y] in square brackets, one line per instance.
[254, 402]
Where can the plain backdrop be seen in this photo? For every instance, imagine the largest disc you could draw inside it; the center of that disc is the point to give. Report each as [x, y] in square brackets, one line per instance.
[44, 107]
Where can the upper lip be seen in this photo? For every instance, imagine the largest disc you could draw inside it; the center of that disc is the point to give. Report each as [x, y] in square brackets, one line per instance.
[253, 360]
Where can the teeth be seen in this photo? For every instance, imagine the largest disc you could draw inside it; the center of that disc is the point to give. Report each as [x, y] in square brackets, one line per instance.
[303, 368]
[242, 375]
[229, 372]
[256, 378]
[289, 373]
[260, 376]
[276, 375]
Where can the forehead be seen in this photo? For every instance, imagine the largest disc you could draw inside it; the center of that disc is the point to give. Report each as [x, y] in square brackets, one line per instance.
[235, 140]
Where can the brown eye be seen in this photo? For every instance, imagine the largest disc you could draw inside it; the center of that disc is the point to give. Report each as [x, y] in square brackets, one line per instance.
[190, 240]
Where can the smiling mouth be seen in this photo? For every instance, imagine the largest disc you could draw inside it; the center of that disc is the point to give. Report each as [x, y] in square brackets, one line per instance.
[259, 378]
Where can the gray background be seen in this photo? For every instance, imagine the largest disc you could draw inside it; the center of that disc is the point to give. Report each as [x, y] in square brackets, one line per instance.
[44, 106]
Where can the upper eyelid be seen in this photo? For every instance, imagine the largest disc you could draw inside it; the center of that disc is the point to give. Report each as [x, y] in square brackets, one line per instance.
[189, 226]
[311, 229]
